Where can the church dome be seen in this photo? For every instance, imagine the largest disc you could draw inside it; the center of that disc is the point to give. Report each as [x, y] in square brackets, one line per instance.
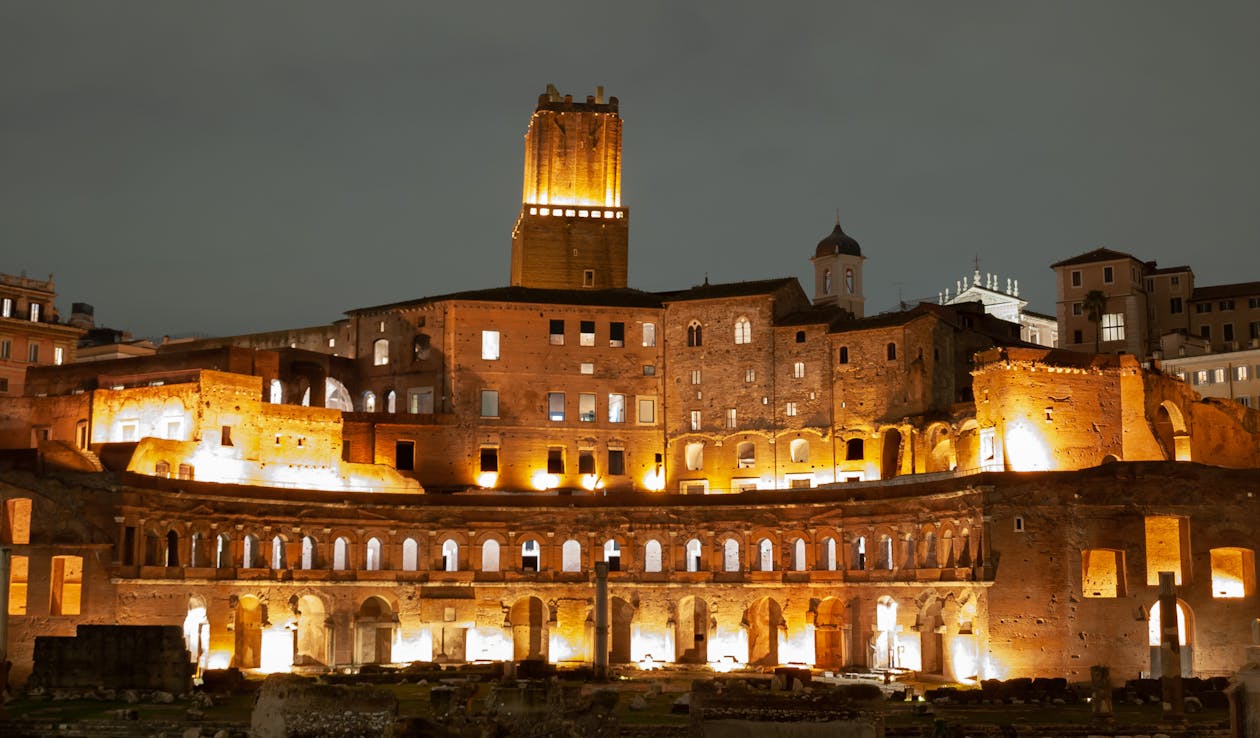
[838, 242]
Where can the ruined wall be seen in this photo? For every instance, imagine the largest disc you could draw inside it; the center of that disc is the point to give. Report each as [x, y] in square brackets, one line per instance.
[114, 657]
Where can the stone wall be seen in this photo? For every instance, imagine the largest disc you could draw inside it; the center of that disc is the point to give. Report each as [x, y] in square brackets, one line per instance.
[142, 657]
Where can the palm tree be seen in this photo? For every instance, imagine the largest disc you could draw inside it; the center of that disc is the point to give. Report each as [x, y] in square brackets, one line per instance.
[1095, 303]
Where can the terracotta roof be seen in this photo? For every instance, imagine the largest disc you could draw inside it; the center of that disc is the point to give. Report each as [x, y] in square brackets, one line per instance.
[730, 289]
[1238, 289]
[611, 298]
[1089, 257]
[1166, 270]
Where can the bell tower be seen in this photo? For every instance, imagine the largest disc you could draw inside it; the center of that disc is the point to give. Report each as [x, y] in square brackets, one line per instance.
[572, 232]
[838, 272]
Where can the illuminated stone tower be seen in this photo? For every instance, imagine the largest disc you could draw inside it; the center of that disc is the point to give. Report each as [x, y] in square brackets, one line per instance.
[572, 232]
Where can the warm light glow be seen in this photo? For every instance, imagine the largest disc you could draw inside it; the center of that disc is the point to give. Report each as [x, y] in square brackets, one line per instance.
[647, 663]
[1025, 450]
[413, 647]
[725, 665]
[219, 660]
[1233, 572]
[590, 481]
[797, 648]
[1153, 625]
[544, 481]
[560, 649]
[277, 649]
[654, 480]
[649, 646]
[728, 650]
[488, 644]
[962, 651]
[487, 480]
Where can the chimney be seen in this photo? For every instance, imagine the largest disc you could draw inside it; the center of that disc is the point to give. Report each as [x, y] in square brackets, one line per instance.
[599, 94]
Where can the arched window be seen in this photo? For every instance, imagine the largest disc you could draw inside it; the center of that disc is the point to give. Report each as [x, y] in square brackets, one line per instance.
[652, 556]
[250, 552]
[891, 350]
[848, 280]
[765, 555]
[829, 553]
[885, 553]
[800, 451]
[612, 555]
[222, 551]
[695, 456]
[826, 281]
[694, 330]
[391, 402]
[746, 455]
[411, 555]
[172, 548]
[278, 558]
[743, 330]
[730, 555]
[854, 449]
[531, 553]
[276, 394]
[490, 555]
[859, 553]
[571, 556]
[450, 555]
[373, 561]
[308, 552]
[369, 402]
[380, 352]
[693, 554]
[798, 555]
[341, 550]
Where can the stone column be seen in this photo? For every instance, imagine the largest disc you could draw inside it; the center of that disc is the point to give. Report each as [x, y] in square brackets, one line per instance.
[1170, 651]
[1100, 702]
[601, 620]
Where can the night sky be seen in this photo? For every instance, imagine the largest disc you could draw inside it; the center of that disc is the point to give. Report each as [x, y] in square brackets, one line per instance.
[229, 167]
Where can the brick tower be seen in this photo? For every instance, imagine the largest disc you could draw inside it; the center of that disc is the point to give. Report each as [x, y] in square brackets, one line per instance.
[572, 232]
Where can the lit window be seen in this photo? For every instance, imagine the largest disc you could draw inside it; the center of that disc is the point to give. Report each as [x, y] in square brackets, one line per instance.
[649, 335]
[555, 406]
[59, 355]
[800, 451]
[743, 331]
[849, 284]
[791, 409]
[1233, 572]
[798, 370]
[66, 586]
[1165, 550]
[586, 336]
[369, 402]
[380, 352]
[490, 345]
[694, 456]
[616, 334]
[1201, 377]
[1218, 375]
[616, 408]
[19, 576]
[1240, 373]
[695, 376]
[731, 417]
[35, 307]
[489, 403]
[826, 281]
[1102, 573]
[6, 308]
[586, 367]
[556, 333]
[1113, 327]
[391, 402]
[586, 407]
[694, 420]
[647, 410]
[746, 455]
[6, 349]
[32, 353]
[750, 375]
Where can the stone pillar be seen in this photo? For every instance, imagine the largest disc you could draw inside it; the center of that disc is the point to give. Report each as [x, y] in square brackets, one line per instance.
[601, 620]
[1170, 651]
[1100, 701]
[6, 562]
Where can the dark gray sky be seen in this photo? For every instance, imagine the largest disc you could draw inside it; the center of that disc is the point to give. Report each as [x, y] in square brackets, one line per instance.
[229, 167]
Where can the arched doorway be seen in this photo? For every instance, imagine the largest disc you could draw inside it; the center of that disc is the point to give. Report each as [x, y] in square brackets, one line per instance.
[528, 618]
[890, 457]
[621, 615]
[691, 631]
[1185, 638]
[311, 640]
[931, 639]
[829, 634]
[1170, 429]
[886, 652]
[248, 629]
[374, 629]
[764, 618]
[197, 632]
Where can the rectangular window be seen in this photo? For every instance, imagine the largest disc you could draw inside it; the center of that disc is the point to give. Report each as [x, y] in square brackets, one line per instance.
[586, 407]
[35, 306]
[1253, 330]
[490, 345]
[588, 277]
[1109, 275]
[586, 336]
[750, 375]
[695, 376]
[420, 401]
[731, 417]
[6, 349]
[1077, 337]
[1113, 327]
[1167, 548]
[405, 455]
[616, 462]
[791, 409]
[555, 406]
[380, 352]
[1174, 281]
[616, 334]
[1077, 310]
[616, 408]
[1240, 373]
[59, 355]
[693, 418]
[67, 585]
[489, 459]
[647, 410]
[225, 436]
[586, 461]
[1218, 375]
[1174, 305]
[6, 308]
[1227, 332]
[1205, 331]
[649, 335]
[1233, 572]
[1253, 302]
[1102, 573]
[649, 370]
[489, 403]
[586, 367]
[1226, 305]
[1076, 278]
[1200, 377]
[1203, 307]
[556, 337]
[4, 384]
[18, 579]
[555, 461]
[798, 370]
[32, 353]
